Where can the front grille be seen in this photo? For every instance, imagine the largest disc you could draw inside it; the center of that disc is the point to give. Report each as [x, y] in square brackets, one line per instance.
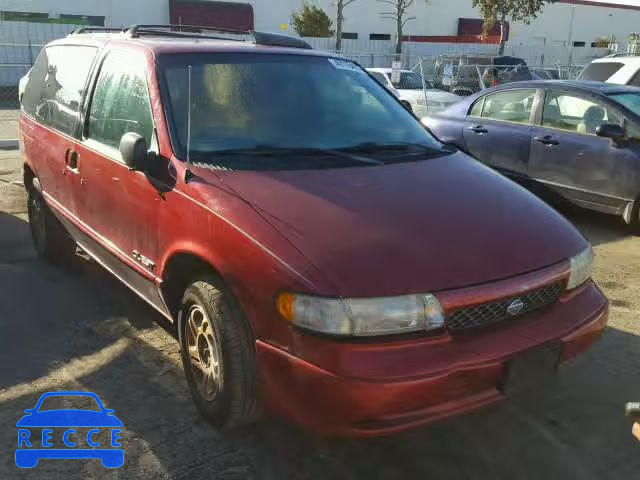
[499, 311]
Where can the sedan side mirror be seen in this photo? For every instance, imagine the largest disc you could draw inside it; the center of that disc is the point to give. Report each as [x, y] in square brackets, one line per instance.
[133, 148]
[610, 130]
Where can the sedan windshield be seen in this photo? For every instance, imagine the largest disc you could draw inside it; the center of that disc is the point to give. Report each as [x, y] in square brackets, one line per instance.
[245, 102]
[629, 100]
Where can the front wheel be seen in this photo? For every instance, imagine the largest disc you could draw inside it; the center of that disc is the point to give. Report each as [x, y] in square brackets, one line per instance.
[50, 239]
[218, 354]
[634, 224]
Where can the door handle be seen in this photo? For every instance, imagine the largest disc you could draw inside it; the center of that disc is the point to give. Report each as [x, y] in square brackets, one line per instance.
[546, 140]
[478, 129]
[71, 159]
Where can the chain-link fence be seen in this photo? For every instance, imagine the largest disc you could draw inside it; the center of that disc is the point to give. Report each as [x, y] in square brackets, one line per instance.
[431, 84]
[432, 72]
[447, 78]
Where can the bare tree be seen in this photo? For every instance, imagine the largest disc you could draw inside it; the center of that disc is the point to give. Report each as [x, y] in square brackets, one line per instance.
[398, 11]
[341, 5]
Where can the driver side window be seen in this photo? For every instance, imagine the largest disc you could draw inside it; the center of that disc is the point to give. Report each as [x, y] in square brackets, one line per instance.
[120, 102]
[509, 106]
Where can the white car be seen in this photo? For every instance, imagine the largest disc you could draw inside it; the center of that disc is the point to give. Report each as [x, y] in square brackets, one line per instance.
[410, 90]
[621, 70]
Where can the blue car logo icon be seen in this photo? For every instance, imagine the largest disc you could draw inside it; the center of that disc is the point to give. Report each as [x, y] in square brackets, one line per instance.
[39, 429]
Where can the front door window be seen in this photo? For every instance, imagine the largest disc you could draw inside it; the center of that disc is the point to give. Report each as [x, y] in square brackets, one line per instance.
[576, 114]
[510, 105]
[120, 103]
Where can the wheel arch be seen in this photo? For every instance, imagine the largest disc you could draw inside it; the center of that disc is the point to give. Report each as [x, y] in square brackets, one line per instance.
[29, 178]
[180, 268]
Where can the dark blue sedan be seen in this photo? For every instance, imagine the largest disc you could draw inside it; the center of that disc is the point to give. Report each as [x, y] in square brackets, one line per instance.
[580, 139]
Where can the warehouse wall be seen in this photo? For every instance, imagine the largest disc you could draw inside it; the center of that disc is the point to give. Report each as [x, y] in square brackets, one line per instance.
[438, 17]
[116, 12]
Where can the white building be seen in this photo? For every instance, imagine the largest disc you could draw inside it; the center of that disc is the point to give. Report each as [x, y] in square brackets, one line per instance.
[563, 23]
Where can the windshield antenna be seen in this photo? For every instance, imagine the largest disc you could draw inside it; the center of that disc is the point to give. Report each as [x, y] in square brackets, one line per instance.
[188, 175]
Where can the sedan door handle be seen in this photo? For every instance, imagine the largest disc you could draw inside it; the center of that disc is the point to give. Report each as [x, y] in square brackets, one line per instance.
[479, 129]
[546, 140]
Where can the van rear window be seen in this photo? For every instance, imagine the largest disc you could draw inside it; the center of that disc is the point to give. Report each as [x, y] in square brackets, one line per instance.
[56, 86]
[600, 72]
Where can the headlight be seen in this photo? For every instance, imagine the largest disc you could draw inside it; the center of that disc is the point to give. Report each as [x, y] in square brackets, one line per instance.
[580, 268]
[362, 316]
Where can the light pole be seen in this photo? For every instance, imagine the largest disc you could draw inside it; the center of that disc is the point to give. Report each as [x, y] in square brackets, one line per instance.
[573, 13]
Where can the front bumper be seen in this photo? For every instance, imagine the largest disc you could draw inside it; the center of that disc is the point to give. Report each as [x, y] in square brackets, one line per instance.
[370, 389]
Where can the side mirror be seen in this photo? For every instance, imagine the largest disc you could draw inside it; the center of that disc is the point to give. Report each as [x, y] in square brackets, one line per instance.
[610, 130]
[133, 148]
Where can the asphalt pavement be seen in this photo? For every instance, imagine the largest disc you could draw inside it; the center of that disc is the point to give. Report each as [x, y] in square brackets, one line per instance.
[76, 328]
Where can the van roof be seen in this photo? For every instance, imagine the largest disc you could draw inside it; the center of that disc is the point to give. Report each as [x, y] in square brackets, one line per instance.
[163, 39]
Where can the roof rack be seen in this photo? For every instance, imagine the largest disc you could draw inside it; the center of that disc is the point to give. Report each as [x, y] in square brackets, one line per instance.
[198, 31]
[92, 29]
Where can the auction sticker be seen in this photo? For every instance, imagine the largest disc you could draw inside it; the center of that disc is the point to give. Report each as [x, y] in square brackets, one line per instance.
[345, 65]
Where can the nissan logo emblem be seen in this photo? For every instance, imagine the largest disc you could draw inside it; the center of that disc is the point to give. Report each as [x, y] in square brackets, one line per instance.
[516, 307]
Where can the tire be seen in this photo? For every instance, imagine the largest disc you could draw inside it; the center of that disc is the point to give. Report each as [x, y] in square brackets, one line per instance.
[51, 241]
[634, 225]
[216, 343]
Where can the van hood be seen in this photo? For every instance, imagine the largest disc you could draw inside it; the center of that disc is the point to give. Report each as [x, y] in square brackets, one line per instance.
[412, 227]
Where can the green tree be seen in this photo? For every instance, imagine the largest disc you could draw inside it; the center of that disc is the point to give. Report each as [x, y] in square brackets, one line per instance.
[340, 5]
[496, 12]
[311, 21]
[398, 11]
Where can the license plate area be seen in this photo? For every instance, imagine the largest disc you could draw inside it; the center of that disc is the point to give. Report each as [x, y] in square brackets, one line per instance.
[531, 368]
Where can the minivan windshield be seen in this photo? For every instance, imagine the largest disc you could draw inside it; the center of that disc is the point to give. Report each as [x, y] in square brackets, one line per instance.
[244, 102]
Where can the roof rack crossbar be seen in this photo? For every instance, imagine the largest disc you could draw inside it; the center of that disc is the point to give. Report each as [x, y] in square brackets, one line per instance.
[136, 30]
[91, 29]
[173, 34]
[259, 38]
[279, 40]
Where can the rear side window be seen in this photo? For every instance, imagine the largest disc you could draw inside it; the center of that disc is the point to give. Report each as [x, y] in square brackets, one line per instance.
[120, 102]
[601, 71]
[635, 81]
[57, 85]
[510, 105]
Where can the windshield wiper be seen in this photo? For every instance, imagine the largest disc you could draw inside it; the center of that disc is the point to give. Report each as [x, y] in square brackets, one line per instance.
[269, 151]
[374, 147]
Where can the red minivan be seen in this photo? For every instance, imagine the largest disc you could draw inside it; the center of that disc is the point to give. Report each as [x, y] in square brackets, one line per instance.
[320, 252]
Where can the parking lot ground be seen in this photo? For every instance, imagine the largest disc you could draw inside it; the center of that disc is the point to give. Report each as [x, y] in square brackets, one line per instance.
[9, 124]
[76, 328]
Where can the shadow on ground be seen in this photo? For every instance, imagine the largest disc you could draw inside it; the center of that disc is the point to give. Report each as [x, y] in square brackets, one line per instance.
[78, 328]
